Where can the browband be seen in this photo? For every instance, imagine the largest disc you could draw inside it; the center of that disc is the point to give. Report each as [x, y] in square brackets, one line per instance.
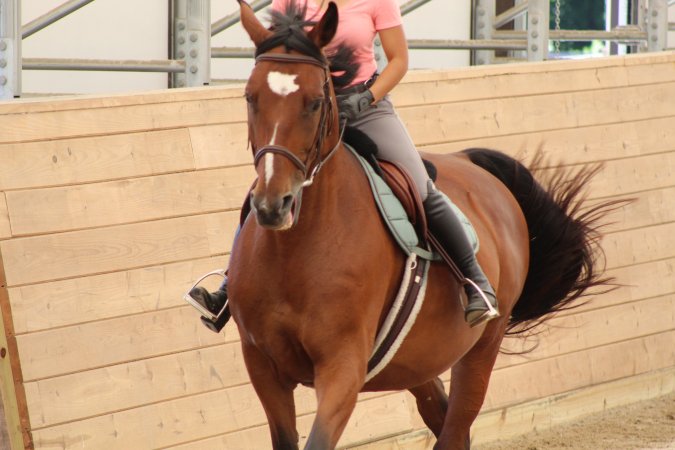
[287, 57]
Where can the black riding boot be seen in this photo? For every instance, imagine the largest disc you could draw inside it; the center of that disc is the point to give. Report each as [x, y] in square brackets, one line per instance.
[213, 302]
[447, 229]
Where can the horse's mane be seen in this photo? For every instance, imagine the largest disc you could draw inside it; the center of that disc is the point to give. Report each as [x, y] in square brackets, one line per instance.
[289, 30]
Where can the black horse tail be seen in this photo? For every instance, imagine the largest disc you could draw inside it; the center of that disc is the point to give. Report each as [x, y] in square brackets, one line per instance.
[564, 236]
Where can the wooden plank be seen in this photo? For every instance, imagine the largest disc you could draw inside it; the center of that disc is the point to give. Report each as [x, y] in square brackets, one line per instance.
[624, 248]
[63, 398]
[137, 383]
[114, 341]
[158, 425]
[648, 208]
[636, 282]
[542, 378]
[118, 429]
[625, 177]
[551, 411]
[12, 394]
[128, 201]
[11, 436]
[186, 419]
[503, 84]
[97, 101]
[487, 118]
[542, 413]
[104, 250]
[62, 303]
[122, 119]
[5, 229]
[577, 145]
[75, 161]
[576, 332]
[460, 73]
[572, 145]
[221, 145]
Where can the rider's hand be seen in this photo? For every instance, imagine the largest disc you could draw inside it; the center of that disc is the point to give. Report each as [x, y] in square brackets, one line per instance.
[352, 105]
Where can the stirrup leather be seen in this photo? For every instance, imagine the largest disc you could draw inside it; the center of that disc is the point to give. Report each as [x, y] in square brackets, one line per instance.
[491, 313]
[208, 315]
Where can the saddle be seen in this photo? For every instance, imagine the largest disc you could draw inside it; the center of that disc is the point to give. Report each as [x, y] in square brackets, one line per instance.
[403, 187]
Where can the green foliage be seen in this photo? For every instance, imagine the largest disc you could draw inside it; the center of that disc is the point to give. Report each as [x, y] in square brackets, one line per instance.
[579, 15]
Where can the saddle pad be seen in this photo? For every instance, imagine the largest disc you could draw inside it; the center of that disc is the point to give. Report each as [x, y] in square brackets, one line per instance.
[397, 220]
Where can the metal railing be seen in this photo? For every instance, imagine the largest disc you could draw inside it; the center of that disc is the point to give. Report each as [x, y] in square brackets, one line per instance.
[191, 31]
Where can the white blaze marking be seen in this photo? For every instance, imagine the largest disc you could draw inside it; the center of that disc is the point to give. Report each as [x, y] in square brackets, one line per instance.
[274, 134]
[282, 83]
[269, 167]
[269, 158]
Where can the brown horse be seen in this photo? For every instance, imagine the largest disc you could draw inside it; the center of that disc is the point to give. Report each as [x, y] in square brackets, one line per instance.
[310, 286]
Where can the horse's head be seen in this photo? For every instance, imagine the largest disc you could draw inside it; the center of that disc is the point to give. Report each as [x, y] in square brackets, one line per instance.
[292, 116]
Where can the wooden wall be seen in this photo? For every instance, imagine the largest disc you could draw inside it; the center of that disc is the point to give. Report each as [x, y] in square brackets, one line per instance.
[111, 206]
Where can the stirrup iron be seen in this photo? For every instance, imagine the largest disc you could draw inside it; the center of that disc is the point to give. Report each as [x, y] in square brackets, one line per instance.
[214, 322]
[491, 313]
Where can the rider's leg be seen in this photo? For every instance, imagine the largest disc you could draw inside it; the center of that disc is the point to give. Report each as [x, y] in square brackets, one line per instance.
[384, 126]
[448, 230]
[214, 301]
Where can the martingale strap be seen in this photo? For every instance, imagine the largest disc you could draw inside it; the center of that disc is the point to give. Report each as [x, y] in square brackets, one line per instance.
[401, 315]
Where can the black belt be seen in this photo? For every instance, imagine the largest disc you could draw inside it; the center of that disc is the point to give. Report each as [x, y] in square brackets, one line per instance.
[358, 88]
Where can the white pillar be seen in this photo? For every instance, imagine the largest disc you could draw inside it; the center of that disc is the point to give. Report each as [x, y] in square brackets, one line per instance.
[538, 13]
[10, 49]
[483, 28]
[657, 25]
[192, 42]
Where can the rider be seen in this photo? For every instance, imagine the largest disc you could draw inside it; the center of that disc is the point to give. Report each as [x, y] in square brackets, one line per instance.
[366, 105]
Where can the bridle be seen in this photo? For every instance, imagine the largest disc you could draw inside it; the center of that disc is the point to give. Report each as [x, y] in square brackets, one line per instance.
[323, 130]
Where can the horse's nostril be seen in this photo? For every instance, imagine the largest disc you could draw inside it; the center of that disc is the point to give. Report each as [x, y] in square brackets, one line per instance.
[287, 201]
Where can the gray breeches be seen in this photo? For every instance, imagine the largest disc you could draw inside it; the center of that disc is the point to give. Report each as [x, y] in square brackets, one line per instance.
[382, 125]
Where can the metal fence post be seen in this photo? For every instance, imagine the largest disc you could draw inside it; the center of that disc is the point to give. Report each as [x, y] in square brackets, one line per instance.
[484, 19]
[538, 13]
[10, 49]
[192, 42]
[657, 26]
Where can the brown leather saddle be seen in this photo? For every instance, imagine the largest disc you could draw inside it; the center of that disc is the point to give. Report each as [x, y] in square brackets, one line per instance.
[404, 189]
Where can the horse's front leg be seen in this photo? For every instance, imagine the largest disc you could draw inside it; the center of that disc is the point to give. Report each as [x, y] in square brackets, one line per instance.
[337, 383]
[276, 396]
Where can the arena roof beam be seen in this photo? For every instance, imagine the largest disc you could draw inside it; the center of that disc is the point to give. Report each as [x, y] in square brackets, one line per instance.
[231, 19]
[510, 14]
[52, 16]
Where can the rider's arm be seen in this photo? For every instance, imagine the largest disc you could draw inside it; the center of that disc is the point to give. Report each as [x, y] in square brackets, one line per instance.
[396, 48]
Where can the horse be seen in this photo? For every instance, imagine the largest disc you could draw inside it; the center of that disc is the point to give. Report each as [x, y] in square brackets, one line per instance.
[314, 270]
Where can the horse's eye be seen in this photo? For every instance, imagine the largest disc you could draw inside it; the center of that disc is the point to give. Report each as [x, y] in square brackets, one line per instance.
[251, 101]
[315, 105]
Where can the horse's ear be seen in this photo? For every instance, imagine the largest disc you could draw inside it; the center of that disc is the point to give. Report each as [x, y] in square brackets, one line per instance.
[251, 24]
[324, 31]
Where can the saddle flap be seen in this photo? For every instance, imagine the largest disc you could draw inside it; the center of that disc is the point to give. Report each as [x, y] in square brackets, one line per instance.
[403, 187]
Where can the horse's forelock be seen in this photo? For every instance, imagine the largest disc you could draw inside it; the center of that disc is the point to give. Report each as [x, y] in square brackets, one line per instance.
[289, 30]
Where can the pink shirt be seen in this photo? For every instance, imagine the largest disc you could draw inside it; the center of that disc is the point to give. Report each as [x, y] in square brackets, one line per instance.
[359, 21]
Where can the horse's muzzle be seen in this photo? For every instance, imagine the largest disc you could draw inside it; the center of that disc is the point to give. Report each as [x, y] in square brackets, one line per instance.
[274, 214]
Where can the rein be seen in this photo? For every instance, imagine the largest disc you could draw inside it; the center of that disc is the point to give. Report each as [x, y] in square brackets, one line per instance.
[323, 131]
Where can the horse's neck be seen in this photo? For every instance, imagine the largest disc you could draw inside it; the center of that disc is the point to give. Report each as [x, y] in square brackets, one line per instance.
[333, 186]
[333, 202]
